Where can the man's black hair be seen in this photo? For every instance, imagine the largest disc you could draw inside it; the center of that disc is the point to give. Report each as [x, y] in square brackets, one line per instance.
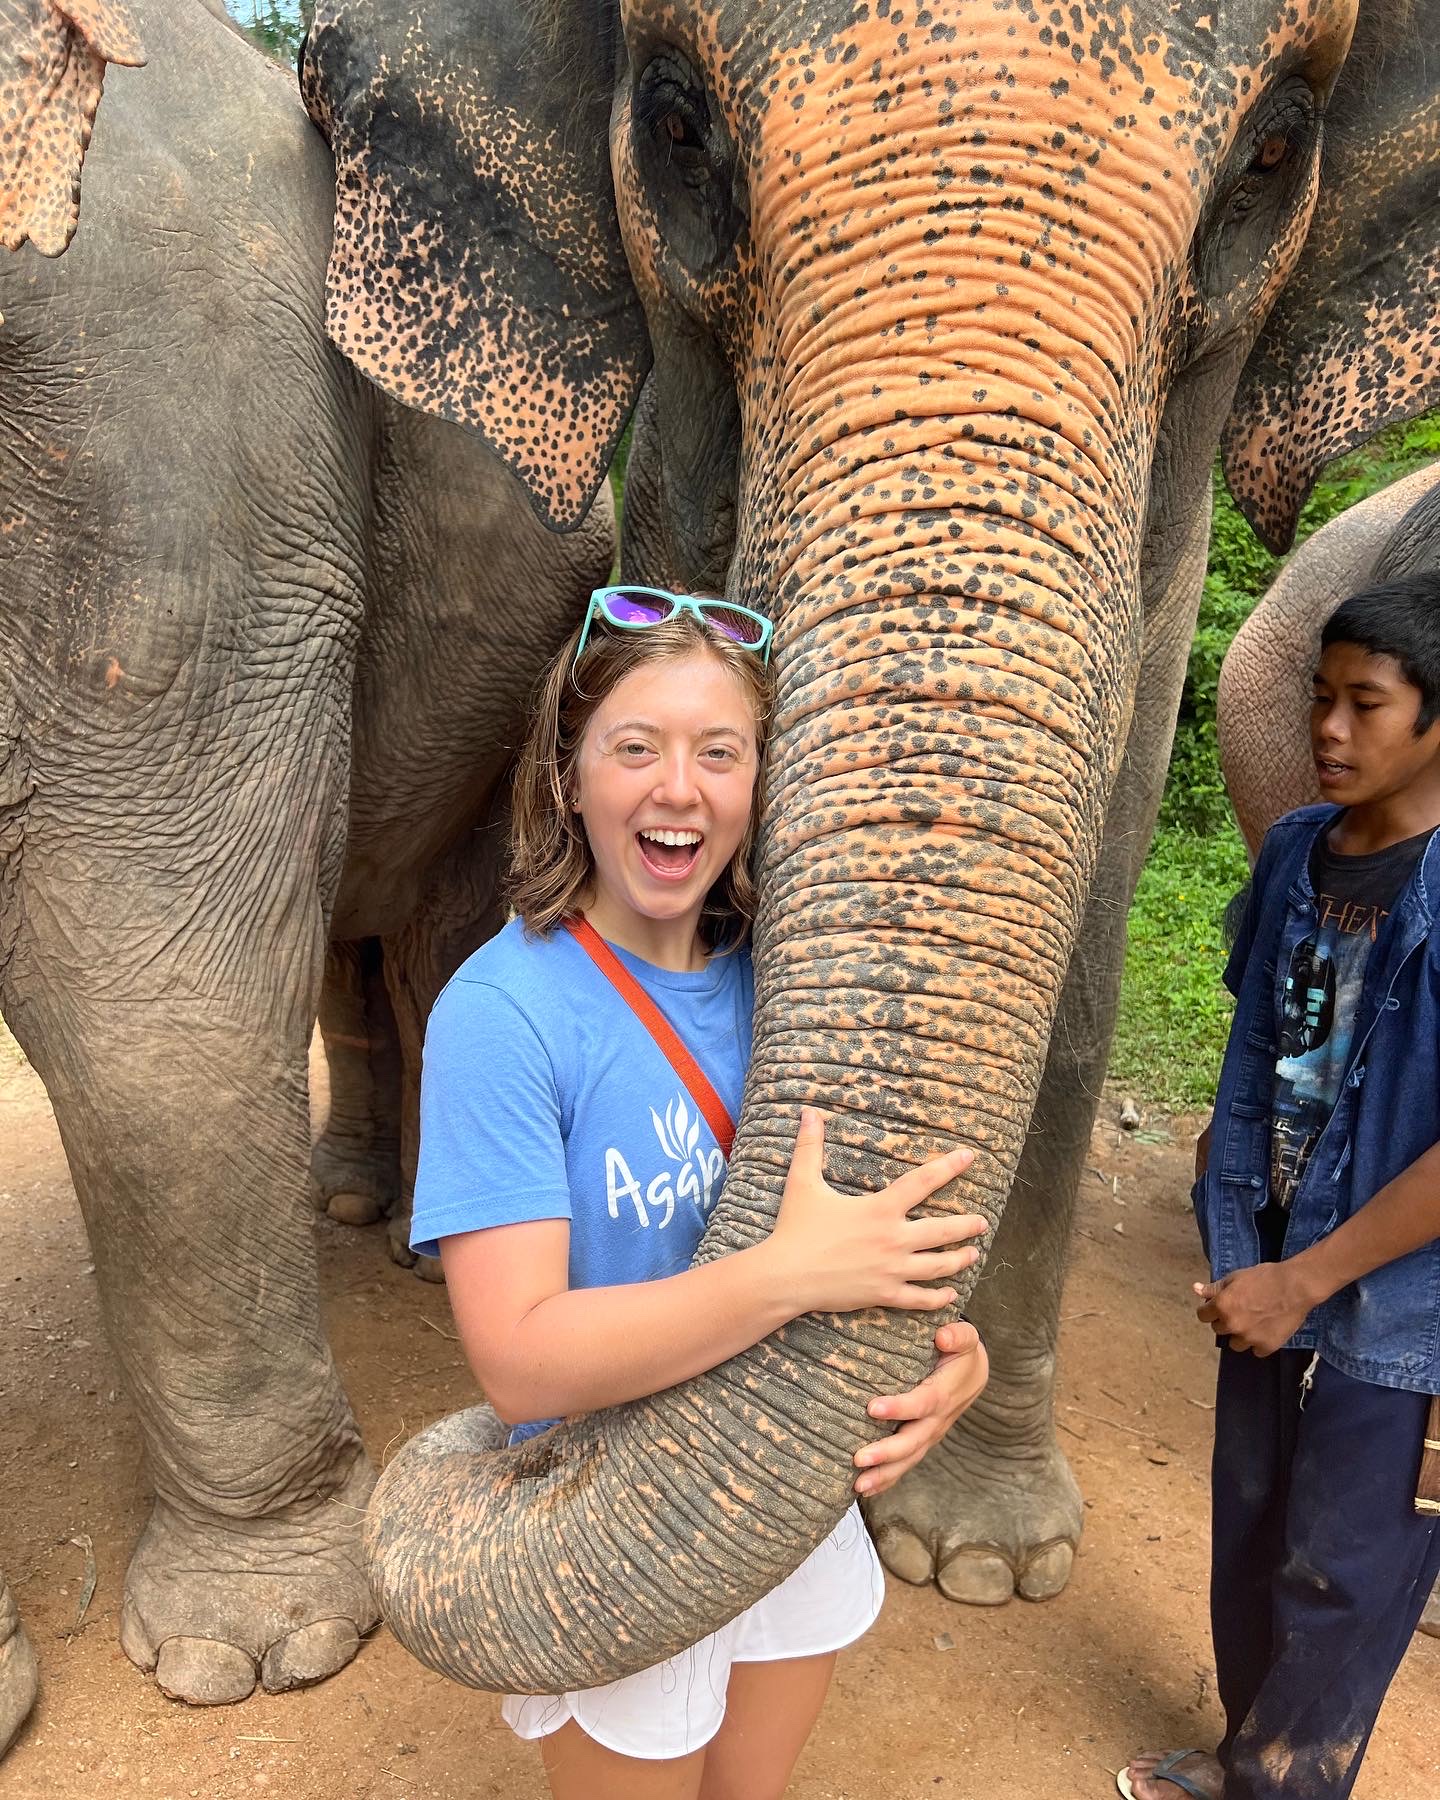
[1401, 619]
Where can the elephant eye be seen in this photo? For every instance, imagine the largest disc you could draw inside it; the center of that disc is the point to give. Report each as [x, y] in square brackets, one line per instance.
[686, 162]
[1257, 191]
[1273, 151]
[671, 108]
[679, 132]
[1281, 132]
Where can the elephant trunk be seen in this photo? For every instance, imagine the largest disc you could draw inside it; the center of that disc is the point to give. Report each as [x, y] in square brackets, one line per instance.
[950, 709]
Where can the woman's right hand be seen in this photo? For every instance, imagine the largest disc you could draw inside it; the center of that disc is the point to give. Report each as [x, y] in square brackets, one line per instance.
[845, 1252]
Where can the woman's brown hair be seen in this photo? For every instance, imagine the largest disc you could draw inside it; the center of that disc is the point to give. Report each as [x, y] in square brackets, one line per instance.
[550, 862]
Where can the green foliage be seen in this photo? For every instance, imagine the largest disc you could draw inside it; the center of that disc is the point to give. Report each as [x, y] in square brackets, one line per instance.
[1174, 1011]
[277, 26]
[618, 464]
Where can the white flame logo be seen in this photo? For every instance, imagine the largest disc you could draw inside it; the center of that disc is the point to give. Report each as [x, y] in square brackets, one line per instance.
[678, 1131]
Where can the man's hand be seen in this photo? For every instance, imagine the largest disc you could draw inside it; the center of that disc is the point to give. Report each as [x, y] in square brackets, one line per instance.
[1258, 1309]
[929, 1409]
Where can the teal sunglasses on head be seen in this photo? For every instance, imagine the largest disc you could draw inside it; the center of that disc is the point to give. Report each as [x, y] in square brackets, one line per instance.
[637, 608]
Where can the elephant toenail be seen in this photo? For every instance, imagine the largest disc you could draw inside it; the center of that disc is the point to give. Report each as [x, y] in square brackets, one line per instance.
[978, 1575]
[1047, 1570]
[904, 1553]
[204, 1672]
[349, 1208]
[309, 1655]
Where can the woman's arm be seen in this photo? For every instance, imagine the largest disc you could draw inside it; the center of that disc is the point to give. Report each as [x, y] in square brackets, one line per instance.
[541, 1349]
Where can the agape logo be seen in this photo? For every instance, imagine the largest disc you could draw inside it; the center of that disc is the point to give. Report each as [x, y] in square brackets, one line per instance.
[695, 1182]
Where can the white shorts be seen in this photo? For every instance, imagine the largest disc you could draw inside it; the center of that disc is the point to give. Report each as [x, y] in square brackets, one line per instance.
[678, 1705]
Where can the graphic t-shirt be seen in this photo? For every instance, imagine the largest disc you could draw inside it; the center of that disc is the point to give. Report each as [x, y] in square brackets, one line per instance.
[544, 1097]
[1353, 897]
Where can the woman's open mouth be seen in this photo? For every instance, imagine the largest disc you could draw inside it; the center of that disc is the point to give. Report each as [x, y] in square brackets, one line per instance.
[669, 854]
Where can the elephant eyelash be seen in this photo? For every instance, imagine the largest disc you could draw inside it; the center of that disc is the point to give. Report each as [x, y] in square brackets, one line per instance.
[664, 95]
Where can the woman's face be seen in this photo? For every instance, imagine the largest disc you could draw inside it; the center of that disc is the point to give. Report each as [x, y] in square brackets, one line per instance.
[666, 775]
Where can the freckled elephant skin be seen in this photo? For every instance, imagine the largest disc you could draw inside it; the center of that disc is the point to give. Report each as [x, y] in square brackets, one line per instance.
[68, 48]
[944, 310]
[266, 639]
[1264, 692]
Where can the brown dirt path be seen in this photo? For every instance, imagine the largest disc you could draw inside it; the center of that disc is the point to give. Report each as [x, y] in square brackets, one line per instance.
[1023, 1703]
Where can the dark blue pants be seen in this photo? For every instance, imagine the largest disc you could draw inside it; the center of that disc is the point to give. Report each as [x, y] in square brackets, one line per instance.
[1320, 1570]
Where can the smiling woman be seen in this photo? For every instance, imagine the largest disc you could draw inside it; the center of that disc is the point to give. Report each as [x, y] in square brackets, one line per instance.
[636, 804]
[705, 759]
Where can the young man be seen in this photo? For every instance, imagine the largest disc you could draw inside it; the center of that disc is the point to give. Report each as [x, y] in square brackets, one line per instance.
[1318, 1200]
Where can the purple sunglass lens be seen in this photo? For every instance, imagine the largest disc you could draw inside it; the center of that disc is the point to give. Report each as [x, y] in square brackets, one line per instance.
[637, 609]
[734, 624]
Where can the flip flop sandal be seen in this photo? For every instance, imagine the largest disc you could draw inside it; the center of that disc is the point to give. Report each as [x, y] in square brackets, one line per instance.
[1167, 1769]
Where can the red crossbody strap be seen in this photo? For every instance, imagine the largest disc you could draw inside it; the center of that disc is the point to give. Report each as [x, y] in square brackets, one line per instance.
[717, 1115]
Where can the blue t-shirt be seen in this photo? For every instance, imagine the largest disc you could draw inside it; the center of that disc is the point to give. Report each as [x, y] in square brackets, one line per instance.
[544, 1097]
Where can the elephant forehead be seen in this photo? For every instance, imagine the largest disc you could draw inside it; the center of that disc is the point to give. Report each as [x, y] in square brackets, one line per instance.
[1190, 70]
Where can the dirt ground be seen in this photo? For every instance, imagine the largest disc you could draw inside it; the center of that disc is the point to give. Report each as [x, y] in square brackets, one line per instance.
[1020, 1703]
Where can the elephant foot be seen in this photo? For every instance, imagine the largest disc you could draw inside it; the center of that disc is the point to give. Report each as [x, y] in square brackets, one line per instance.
[214, 1605]
[19, 1678]
[427, 1268]
[352, 1188]
[1430, 1618]
[981, 1533]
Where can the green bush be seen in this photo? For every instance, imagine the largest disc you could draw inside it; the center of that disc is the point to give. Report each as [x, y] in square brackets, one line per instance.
[277, 26]
[1174, 1011]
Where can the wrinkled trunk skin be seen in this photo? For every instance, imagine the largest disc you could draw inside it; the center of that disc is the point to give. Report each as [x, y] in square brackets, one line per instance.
[946, 526]
[950, 770]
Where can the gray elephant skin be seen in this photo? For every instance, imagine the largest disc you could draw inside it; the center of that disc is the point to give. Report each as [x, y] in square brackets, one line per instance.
[266, 638]
[943, 311]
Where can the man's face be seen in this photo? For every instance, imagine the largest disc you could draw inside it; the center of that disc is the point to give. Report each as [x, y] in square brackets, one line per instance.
[1362, 727]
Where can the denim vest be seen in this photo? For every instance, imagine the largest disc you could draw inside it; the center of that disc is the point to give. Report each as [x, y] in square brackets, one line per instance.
[1384, 1328]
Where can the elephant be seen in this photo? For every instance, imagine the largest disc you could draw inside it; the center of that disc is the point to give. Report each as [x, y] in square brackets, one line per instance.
[935, 316]
[266, 641]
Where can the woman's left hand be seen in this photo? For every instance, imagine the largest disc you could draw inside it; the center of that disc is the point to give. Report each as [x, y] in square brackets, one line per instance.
[928, 1411]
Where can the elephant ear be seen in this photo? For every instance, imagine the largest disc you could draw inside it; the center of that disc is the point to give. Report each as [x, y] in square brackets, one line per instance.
[1353, 344]
[52, 66]
[477, 270]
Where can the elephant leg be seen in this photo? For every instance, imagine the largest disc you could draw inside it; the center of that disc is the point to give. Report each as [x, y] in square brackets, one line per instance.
[461, 908]
[355, 1164]
[994, 1509]
[19, 1678]
[176, 1062]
